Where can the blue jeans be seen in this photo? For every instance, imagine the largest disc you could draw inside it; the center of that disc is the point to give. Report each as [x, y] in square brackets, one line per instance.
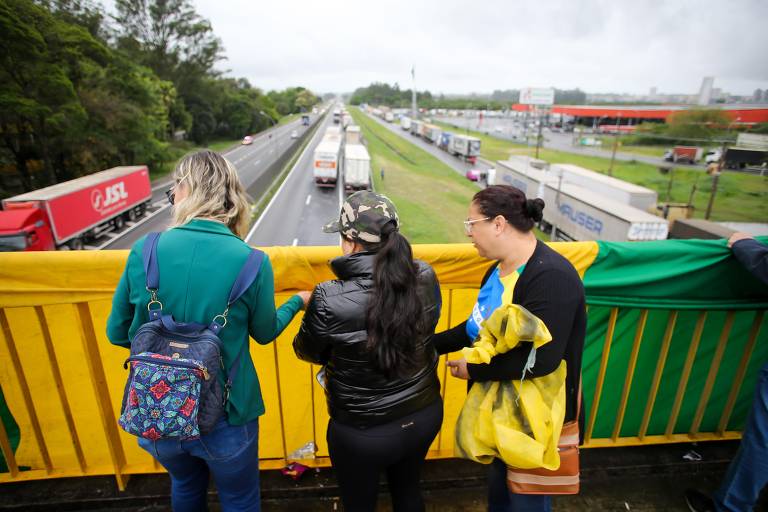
[501, 500]
[230, 453]
[748, 472]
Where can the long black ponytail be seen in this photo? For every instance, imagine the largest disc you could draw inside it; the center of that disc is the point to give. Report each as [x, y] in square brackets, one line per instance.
[394, 318]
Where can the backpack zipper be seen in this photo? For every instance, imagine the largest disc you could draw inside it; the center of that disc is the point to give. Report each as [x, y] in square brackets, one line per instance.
[169, 362]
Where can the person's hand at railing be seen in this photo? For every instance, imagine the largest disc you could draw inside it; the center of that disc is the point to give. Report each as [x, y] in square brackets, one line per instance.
[739, 235]
[458, 368]
[305, 296]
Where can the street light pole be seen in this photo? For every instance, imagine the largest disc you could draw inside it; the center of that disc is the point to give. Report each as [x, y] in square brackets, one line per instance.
[615, 144]
[538, 137]
[270, 120]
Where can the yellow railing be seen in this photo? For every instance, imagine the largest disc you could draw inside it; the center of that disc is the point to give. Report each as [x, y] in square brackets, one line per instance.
[63, 381]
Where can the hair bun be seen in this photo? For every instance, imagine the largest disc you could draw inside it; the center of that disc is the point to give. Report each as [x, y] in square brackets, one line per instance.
[534, 208]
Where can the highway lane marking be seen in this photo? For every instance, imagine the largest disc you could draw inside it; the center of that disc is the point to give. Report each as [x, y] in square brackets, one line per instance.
[162, 185]
[282, 185]
[340, 186]
[295, 242]
[257, 162]
[309, 198]
[142, 221]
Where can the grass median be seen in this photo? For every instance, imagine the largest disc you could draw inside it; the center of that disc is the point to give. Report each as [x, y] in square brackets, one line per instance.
[740, 197]
[431, 198]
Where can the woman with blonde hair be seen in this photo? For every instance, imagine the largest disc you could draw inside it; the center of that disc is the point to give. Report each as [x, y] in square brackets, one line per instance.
[199, 258]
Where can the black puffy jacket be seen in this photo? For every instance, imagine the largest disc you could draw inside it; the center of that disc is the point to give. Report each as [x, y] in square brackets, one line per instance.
[333, 333]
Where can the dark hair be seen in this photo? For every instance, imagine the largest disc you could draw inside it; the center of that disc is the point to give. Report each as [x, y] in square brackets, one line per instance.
[394, 317]
[510, 203]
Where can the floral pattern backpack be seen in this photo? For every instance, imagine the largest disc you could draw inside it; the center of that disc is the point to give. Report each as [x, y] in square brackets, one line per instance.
[177, 387]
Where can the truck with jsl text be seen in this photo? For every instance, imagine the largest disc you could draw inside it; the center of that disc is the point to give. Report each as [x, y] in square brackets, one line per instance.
[70, 214]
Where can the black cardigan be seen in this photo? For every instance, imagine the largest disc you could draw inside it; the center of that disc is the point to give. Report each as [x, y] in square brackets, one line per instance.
[551, 289]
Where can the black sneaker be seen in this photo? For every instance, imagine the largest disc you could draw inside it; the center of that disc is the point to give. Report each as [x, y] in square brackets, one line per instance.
[698, 501]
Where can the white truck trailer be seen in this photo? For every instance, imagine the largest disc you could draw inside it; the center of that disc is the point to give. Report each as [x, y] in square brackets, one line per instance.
[416, 128]
[619, 190]
[431, 133]
[325, 169]
[357, 168]
[575, 212]
[352, 135]
[465, 147]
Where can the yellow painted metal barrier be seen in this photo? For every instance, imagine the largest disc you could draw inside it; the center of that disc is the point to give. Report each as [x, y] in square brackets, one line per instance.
[63, 381]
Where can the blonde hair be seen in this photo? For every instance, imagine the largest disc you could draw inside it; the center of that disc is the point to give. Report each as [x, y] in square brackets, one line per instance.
[215, 192]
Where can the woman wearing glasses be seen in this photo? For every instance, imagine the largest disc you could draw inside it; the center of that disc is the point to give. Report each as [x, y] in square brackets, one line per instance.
[525, 272]
[199, 259]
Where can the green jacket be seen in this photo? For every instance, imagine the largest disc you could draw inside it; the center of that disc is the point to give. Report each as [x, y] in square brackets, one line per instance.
[199, 262]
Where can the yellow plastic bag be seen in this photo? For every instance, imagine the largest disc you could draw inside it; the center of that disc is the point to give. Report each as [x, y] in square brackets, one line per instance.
[518, 421]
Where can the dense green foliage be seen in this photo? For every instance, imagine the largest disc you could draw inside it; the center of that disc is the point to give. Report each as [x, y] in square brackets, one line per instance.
[696, 126]
[80, 92]
[391, 95]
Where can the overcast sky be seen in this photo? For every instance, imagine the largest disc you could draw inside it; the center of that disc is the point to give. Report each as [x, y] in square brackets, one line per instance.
[460, 46]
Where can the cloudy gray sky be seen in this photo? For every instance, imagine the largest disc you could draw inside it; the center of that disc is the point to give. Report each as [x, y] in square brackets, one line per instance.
[460, 46]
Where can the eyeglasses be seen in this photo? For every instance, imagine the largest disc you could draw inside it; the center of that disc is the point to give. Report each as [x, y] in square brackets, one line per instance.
[170, 193]
[468, 224]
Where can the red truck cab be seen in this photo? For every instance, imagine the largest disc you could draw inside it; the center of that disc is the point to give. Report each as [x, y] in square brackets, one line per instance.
[24, 227]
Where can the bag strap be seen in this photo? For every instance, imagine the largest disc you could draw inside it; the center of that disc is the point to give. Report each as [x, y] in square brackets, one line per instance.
[244, 281]
[152, 273]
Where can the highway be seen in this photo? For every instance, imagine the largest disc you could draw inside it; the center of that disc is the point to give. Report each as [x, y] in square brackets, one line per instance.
[453, 162]
[299, 209]
[251, 161]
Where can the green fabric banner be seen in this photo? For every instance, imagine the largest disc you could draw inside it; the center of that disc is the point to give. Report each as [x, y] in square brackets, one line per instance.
[692, 277]
[672, 274]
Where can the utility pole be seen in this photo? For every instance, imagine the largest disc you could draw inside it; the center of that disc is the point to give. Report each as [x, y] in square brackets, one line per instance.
[538, 137]
[615, 144]
[413, 92]
[715, 179]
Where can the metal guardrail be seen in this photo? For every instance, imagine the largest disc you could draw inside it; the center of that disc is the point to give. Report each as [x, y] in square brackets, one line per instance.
[62, 380]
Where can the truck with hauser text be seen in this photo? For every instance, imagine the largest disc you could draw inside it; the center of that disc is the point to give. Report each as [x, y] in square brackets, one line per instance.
[69, 214]
[575, 212]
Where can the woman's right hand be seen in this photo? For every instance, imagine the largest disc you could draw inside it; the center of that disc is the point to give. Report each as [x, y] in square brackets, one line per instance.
[304, 295]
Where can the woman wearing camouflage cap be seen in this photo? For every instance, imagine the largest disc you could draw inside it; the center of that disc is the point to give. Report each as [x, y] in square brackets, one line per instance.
[372, 330]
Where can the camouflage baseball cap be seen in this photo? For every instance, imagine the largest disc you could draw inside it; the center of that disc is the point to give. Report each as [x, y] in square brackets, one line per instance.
[362, 217]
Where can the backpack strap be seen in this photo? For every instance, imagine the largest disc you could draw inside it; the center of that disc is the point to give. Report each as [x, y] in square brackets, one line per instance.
[152, 272]
[244, 280]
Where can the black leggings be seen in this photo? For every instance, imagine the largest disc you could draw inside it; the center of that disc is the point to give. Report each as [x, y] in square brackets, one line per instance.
[398, 447]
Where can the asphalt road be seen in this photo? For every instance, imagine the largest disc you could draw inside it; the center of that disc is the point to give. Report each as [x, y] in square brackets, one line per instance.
[299, 209]
[251, 161]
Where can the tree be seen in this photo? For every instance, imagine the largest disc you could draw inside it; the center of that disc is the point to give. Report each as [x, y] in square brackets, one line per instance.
[168, 36]
[697, 123]
[43, 59]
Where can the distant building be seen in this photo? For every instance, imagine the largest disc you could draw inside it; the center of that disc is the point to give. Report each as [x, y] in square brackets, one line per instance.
[705, 93]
